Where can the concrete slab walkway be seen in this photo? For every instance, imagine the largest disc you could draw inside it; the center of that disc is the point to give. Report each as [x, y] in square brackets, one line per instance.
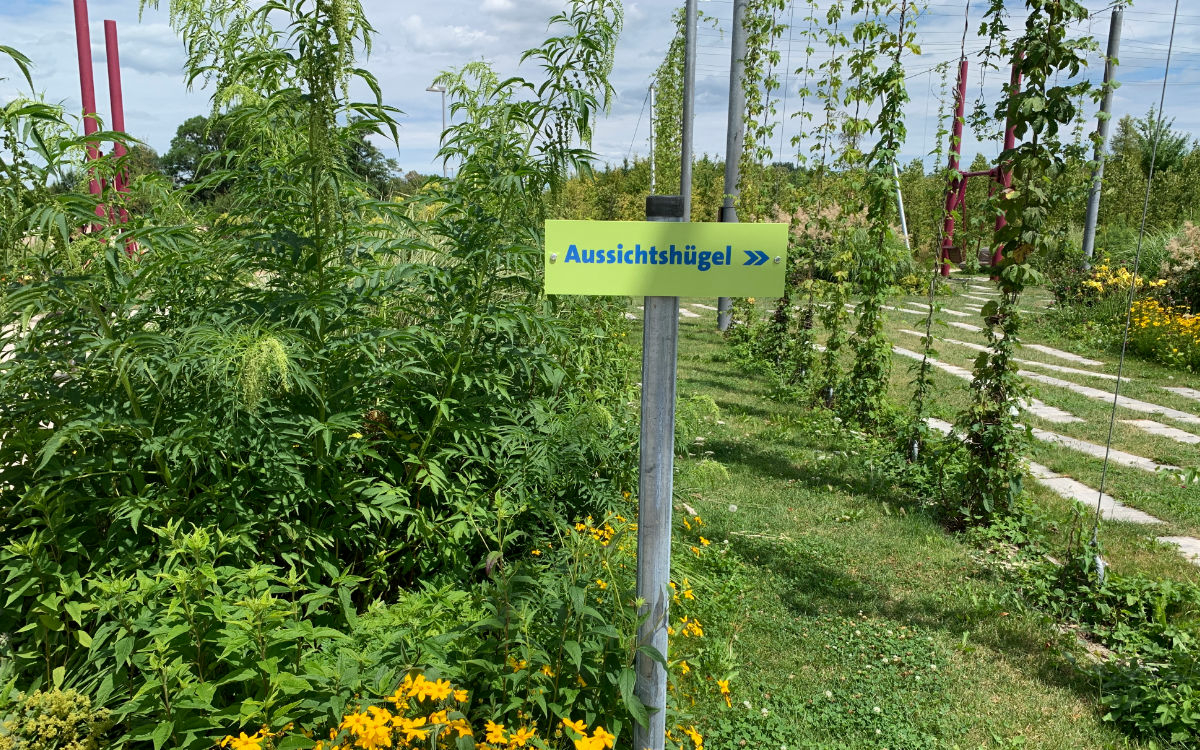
[1132, 404]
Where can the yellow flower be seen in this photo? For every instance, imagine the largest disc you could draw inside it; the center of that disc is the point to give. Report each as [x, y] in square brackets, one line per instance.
[412, 728]
[356, 435]
[696, 550]
[684, 668]
[372, 728]
[704, 541]
[462, 727]
[578, 725]
[546, 670]
[724, 686]
[520, 737]
[603, 735]
[696, 738]
[601, 584]
[460, 696]
[495, 732]
[243, 741]
[536, 552]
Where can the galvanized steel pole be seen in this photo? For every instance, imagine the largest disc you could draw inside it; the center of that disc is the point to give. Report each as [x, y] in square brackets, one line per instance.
[689, 109]
[652, 139]
[660, 345]
[1110, 67]
[900, 207]
[735, 134]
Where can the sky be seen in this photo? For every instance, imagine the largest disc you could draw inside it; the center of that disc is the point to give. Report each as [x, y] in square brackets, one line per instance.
[416, 40]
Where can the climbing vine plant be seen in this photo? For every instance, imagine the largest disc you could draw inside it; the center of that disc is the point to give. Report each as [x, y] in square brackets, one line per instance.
[1039, 110]
[876, 265]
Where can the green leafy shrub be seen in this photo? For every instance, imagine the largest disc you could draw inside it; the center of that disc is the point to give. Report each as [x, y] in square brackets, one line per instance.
[219, 449]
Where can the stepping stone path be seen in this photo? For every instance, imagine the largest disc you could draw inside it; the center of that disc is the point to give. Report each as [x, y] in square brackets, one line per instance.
[1034, 363]
[948, 311]
[1132, 404]
[1072, 489]
[976, 298]
[1060, 354]
[964, 326]
[1098, 451]
[1035, 407]
[1188, 546]
[1110, 508]
[1191, 393]
[1162, 430]
[631, 316]
[990, 292]
[686, 313]
[710, 307]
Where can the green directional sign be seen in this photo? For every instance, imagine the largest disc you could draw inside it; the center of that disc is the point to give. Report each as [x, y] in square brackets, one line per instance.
[665, 259]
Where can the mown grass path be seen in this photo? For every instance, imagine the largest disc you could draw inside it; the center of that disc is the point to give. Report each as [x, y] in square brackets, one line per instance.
[867, 625]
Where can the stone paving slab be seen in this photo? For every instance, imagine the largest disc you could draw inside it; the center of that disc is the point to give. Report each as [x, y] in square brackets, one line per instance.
[964, 326]
[1188, 546]
[1034, 363]
[948, 311]
[631, 316]
[1098, 451]
[1132, 404]
[1191, 393]
[977, 298]
[1034, 406]
[1060, 354]
[1110, 508]
[686, 313]
[1162, 430]
[989, 291]
[710, 307]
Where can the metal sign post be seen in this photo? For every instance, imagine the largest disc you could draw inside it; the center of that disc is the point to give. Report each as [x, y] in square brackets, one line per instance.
[735, 134]
[660, 344]
[661, 259]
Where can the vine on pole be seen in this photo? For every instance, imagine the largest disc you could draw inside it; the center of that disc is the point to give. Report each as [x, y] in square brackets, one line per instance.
[1038, 111]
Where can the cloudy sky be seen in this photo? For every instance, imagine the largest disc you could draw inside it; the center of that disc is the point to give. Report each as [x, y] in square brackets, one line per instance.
[417, 39]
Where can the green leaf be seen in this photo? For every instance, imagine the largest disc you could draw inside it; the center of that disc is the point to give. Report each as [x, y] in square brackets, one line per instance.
[58, 675]
[626, 682]
[84, 639]
[162, 733]
[575, 652]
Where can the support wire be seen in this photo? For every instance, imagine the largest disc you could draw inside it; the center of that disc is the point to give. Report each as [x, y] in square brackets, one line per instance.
[1132, 291]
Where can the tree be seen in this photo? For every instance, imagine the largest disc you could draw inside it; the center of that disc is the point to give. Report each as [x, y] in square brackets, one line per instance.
[369, 163]
[197, 139]
[1138, 135]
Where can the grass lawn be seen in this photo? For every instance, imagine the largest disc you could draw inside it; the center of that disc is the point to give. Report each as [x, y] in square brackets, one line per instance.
[863, 624]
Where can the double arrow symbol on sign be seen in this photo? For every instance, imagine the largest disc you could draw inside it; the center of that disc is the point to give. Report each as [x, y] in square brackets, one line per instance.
[757, 257]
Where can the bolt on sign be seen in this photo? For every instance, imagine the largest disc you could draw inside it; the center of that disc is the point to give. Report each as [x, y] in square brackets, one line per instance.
[665, 259]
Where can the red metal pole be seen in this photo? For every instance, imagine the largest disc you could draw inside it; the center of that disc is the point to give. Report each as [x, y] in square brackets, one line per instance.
[1002, 171]
[118, 104]
[953, 190]
[87, 87]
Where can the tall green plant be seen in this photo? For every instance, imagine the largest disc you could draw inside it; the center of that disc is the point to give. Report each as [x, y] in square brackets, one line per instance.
[877, 264]
[1039, 111]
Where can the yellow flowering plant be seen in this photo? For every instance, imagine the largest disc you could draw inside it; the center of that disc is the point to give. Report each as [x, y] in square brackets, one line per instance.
[1168, 334]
